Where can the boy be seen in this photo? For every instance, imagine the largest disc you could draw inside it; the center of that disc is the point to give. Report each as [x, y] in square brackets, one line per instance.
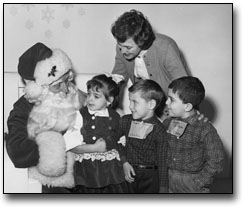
[195, 151]
[144, 156]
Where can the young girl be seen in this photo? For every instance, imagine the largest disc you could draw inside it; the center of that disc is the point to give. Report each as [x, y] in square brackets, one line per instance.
[100, 172]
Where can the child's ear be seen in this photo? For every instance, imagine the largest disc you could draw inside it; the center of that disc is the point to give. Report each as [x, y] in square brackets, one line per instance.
[110, 100]
[152, 104]
[188, 107]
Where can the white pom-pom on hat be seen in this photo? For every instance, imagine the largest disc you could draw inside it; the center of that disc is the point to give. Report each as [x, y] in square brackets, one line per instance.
[33, 90]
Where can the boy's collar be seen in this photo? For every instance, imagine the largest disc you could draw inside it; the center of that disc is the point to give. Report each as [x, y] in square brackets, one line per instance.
[190, 120]
[149, 120]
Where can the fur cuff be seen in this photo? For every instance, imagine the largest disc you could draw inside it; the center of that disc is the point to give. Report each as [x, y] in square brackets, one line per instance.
[66, 180]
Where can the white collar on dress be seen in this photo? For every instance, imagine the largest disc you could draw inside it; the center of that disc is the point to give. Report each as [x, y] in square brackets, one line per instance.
[103, 113]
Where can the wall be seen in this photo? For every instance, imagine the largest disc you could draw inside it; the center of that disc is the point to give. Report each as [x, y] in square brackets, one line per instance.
[202, 31]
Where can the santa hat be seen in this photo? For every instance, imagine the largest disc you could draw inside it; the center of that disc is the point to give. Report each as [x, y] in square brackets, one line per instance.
[27, 62]
[42, 66]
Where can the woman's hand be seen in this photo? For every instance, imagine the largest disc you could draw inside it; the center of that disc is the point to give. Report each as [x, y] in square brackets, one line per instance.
[202, 117]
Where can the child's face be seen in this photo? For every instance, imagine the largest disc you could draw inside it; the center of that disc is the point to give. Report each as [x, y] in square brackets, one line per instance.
[139, 107]
[176, 107]
[96, 100]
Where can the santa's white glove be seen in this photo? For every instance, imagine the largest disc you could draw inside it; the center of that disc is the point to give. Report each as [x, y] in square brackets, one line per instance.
[122, 141]
[73, 136]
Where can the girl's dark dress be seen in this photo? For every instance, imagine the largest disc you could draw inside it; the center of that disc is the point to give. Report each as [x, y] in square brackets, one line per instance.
[100, 172]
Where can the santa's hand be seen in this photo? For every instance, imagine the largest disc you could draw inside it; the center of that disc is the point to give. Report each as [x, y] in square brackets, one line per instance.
[72, 139]
[100, 145]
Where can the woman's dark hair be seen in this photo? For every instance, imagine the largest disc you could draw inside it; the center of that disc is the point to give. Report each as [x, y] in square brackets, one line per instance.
[134, 25]
[189, 89]
[109, 88]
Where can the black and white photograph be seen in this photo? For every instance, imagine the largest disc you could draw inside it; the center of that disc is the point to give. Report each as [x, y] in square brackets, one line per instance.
[128, 99]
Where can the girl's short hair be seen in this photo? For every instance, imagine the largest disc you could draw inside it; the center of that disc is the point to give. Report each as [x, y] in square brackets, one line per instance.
[134, 25]
[189, 89]
[150, 90]
[107, 86]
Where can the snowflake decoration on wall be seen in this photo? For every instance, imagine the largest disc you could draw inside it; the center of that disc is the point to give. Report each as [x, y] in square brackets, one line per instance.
[48, 34]
[66, 23]
[28, 6]
[13, 11]
[81, 11]
[47, 14]
[67, 6]
[29, 24]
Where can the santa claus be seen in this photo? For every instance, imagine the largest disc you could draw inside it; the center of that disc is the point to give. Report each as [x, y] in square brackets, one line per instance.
[39, 119]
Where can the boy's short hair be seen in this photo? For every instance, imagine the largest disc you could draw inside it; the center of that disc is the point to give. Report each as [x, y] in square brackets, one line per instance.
[150, 90]
[189, 89]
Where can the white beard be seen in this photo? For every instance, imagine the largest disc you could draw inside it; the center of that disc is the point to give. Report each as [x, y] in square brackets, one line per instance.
[48, 118]
[55, 112]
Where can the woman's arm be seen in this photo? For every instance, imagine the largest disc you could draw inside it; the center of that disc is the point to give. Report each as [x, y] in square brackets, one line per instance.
[119, 66]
